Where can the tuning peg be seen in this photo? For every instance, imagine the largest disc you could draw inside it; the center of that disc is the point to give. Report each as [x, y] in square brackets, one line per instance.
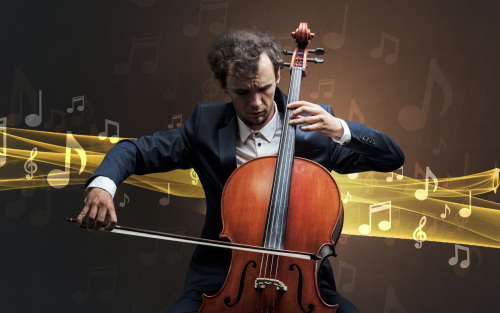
[318, 51]
[285, 64]
[315, 60]
[285, 52]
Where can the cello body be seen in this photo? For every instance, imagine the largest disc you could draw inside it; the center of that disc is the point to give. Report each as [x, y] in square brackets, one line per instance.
[314, 221]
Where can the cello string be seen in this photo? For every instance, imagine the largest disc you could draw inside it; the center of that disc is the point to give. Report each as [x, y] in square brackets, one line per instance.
[275, 277]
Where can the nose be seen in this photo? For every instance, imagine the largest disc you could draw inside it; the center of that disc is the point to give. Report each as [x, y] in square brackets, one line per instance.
[256, 101]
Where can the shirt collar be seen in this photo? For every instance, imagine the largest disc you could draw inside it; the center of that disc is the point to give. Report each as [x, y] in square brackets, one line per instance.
[266, 131]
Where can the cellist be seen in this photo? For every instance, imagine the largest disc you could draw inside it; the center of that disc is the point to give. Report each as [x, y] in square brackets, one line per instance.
[219, 137]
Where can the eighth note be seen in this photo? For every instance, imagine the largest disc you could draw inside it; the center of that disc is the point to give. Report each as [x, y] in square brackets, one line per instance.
[446, 209]
[60, 179]
[420, 235]
[390, 58]
[125, 198]
[436, 151]
[29, 166]
[175, 117]
[104, 134]
[327, 94]
[383, 225]
[454, 260]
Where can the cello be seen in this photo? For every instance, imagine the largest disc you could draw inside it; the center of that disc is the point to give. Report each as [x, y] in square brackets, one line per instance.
[279, 203]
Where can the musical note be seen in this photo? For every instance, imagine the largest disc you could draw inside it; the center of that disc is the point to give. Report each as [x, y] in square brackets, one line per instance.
[347, 287]
[352, 175]
[80, 107]
[41, 217]
[454, 260]
[334, 40]
[354, 109]
[195, 177]
[348, 197]
[147, 67]
[105, 295]
[460, 219]
[209, 89]
[29, 166]
[370, 180]
[3, 130]
[419, 235]
[448, 181]
[175, 117]
[78, 120]
[383, 225]
[392, 303]
[49, 124]
[390, 58]
[422, 194]
[327, 94]
[104, 134]
[343, 239]
[125, 198]
[33, 120]
[173, 256]
[446, 209]
[399, 177]
[414, 118]
[215, 28]
[166, 200]
[466, 212]
[15, 209]
[436, 151]
[60, 179]
[21, 84]
[496, 182]
[169, 95]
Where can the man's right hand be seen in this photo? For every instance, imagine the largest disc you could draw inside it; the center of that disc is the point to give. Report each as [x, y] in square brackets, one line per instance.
[99, 205]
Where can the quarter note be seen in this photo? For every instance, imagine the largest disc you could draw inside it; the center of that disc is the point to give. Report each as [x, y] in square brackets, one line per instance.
[334, 40]
[390, 58]
[147, 67]
[466, 212]
[454, 260]
[383, 225]
[414, 118]
[21, 84]
[33, 120]
[169, 95]
[166, 200]
[3, 130]
[347, 287]
[175, 117]
[49, 124]
[215, 28]
[60, 179]
[327, 94]
[104, 134]
[422, 194]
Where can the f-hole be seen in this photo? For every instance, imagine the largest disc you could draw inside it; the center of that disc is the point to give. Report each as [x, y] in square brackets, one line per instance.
[242, 283]
[299, 290]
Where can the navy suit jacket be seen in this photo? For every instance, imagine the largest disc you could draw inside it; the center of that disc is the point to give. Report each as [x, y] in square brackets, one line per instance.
[207, 143]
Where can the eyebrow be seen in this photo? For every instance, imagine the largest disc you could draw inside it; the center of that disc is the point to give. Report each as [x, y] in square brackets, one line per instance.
[242, 88]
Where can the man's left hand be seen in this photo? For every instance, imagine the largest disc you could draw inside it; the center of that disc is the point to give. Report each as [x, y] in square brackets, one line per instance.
[320, 120]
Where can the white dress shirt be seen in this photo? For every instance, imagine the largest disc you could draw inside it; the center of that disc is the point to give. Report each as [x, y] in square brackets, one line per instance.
[250, 144]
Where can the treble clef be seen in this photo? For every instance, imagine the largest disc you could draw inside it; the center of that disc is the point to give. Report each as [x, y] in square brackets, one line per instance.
[420, 235]
[194, 176]
[29, 166]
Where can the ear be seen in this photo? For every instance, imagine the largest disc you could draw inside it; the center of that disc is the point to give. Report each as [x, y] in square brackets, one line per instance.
[278, 79]
[222, 87]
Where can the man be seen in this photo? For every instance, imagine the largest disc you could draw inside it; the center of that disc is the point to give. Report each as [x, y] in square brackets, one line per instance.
[221, 136]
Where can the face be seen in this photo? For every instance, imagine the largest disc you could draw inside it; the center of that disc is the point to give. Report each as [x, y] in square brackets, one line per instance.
[253, 99]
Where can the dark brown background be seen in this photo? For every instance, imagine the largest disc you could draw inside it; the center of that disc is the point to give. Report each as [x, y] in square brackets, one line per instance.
[71, 48]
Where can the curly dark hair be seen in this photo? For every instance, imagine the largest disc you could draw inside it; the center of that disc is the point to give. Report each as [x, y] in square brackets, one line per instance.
[239, 50]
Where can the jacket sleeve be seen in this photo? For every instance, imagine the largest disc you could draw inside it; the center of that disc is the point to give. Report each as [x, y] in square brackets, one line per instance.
[163, 151]
[368, 150]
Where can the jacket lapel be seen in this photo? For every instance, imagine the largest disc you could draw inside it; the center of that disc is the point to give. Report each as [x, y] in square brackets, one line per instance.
[227, 142]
